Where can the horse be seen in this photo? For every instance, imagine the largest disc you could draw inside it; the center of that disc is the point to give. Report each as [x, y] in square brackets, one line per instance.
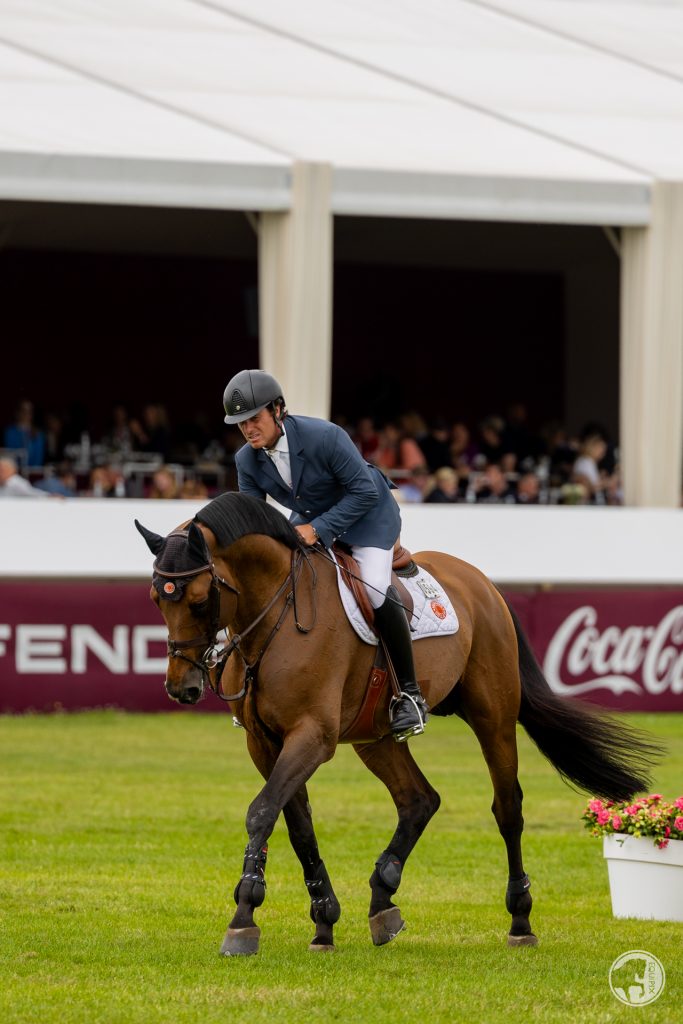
[295, 675]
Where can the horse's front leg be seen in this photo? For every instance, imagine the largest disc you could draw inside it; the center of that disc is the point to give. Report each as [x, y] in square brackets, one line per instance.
[303, 750]
[416, 802]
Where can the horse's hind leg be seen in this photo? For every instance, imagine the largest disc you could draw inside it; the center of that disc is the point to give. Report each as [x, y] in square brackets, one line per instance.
[493, 720]
[416, 802]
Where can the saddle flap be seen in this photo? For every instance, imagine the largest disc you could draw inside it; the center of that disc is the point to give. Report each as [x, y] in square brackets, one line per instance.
[350, 573]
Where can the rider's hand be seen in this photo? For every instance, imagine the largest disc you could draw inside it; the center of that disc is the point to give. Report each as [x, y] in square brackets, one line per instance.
[307, 533]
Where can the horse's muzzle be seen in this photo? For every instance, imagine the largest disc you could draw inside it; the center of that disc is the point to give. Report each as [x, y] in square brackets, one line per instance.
[184, 693]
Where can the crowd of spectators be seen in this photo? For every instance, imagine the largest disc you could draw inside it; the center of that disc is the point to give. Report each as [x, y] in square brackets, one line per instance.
[501, 461]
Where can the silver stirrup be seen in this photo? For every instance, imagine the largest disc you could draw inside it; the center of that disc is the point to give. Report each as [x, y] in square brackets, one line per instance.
[413, 730]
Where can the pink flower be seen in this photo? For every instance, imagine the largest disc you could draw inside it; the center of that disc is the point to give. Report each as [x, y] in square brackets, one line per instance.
[633, 809]
[678, 823]
[616, 822]
[662, 843]
[667, 831]
[596, 805]
[603, 817]
[656, 796]
[679, 803]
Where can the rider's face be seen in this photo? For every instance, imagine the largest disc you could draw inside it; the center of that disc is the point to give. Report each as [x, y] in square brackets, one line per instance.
[261, 430]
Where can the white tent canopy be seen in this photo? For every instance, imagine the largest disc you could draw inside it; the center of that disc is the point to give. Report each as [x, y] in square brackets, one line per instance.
[512, 110]
[554, 111]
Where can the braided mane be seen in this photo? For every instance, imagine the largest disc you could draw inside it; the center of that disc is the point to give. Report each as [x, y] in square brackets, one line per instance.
[232, 515]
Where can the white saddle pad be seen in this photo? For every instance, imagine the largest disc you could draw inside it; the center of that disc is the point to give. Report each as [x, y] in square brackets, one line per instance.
[433, 613]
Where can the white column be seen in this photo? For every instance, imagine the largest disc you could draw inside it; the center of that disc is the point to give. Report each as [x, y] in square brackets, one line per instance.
[651, 415]
[295, 292]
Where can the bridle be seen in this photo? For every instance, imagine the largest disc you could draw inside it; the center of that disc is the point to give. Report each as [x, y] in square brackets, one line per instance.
[211, 658]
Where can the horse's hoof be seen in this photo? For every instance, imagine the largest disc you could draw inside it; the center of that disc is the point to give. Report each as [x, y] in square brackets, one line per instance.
[386, 925]
[241, 941]
[522, 940]
[322, 947]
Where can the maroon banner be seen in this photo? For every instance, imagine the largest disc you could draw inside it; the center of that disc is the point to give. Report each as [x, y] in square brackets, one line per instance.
[622, 649]
[81, 645]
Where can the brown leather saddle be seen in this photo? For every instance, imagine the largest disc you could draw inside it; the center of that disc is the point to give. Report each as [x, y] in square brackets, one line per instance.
[372, 720]
[402, 565]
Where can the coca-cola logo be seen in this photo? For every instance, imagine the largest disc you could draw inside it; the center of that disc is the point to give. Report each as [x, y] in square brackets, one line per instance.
[634, 659]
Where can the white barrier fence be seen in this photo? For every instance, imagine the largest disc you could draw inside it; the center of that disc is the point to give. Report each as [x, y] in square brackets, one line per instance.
[96, 539]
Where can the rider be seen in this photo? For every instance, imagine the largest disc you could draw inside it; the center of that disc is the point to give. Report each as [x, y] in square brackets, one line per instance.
[313, 468]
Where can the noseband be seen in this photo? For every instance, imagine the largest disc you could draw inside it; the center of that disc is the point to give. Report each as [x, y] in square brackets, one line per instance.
[211, 658]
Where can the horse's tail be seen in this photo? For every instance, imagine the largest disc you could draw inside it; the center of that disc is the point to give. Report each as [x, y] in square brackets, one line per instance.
[587, 747]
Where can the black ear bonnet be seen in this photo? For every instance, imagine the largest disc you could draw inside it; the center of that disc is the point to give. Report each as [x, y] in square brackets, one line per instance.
[179, 558]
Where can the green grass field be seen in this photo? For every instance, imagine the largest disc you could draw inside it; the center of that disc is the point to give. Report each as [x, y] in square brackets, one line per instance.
[122, 839]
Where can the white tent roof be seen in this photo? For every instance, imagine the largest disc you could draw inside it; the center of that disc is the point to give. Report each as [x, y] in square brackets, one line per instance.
[549, 110]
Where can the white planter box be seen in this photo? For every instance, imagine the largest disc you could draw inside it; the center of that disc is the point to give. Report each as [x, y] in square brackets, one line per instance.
[644, 881]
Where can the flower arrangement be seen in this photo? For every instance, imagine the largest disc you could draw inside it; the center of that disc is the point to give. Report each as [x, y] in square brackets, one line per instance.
[649, 816]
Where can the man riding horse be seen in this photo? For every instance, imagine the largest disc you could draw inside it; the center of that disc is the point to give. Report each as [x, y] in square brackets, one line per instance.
[312, 467]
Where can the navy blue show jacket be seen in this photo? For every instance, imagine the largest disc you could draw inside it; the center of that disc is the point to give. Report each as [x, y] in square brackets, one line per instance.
[333, 487]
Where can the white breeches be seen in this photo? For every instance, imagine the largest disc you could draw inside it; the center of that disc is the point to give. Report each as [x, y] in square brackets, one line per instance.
[375, 571]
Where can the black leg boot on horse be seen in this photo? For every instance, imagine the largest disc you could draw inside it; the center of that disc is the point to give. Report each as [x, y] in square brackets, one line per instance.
[408, 713]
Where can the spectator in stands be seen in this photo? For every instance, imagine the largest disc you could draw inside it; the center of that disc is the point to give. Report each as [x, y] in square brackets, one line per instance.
[397, 454]
[107, 482]
[413, 425]
[445, 490]
[492, 487]
[493, 445]
[560, 451]
[193, 489]
[153, 433]
[608, 463]
[528, 489]
[463, 451]
[13, 485]
[54, 438]
[61, 482]
[24, 434]
[586, 470]
[119, 438]
[164, 484]
[417, 487]
[518, 439]
[464, 456]
[436, 445]
[366, 438]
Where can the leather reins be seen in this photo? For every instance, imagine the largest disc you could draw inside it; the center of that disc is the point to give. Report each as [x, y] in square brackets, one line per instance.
[211, 658]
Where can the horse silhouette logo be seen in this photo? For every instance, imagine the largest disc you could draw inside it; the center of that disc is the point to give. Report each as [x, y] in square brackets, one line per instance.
[637, 978]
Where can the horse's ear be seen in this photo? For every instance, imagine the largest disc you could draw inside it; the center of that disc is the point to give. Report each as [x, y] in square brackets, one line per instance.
[154, 541]
[196, 543]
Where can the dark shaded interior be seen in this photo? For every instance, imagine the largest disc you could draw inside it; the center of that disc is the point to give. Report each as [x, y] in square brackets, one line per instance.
[104, 305]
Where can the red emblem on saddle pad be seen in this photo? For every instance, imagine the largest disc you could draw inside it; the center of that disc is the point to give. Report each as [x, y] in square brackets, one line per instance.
[169, 588]
[438, 610]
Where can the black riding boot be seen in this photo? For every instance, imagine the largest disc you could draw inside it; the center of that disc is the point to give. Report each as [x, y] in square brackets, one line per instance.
[408, 713]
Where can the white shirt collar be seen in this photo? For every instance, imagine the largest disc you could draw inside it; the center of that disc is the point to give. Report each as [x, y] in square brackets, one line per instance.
[282, 445]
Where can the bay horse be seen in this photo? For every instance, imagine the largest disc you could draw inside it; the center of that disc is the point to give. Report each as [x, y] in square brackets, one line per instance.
[295, 674]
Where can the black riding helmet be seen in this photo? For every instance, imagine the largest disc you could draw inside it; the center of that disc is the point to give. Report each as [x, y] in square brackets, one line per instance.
[247, 393]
